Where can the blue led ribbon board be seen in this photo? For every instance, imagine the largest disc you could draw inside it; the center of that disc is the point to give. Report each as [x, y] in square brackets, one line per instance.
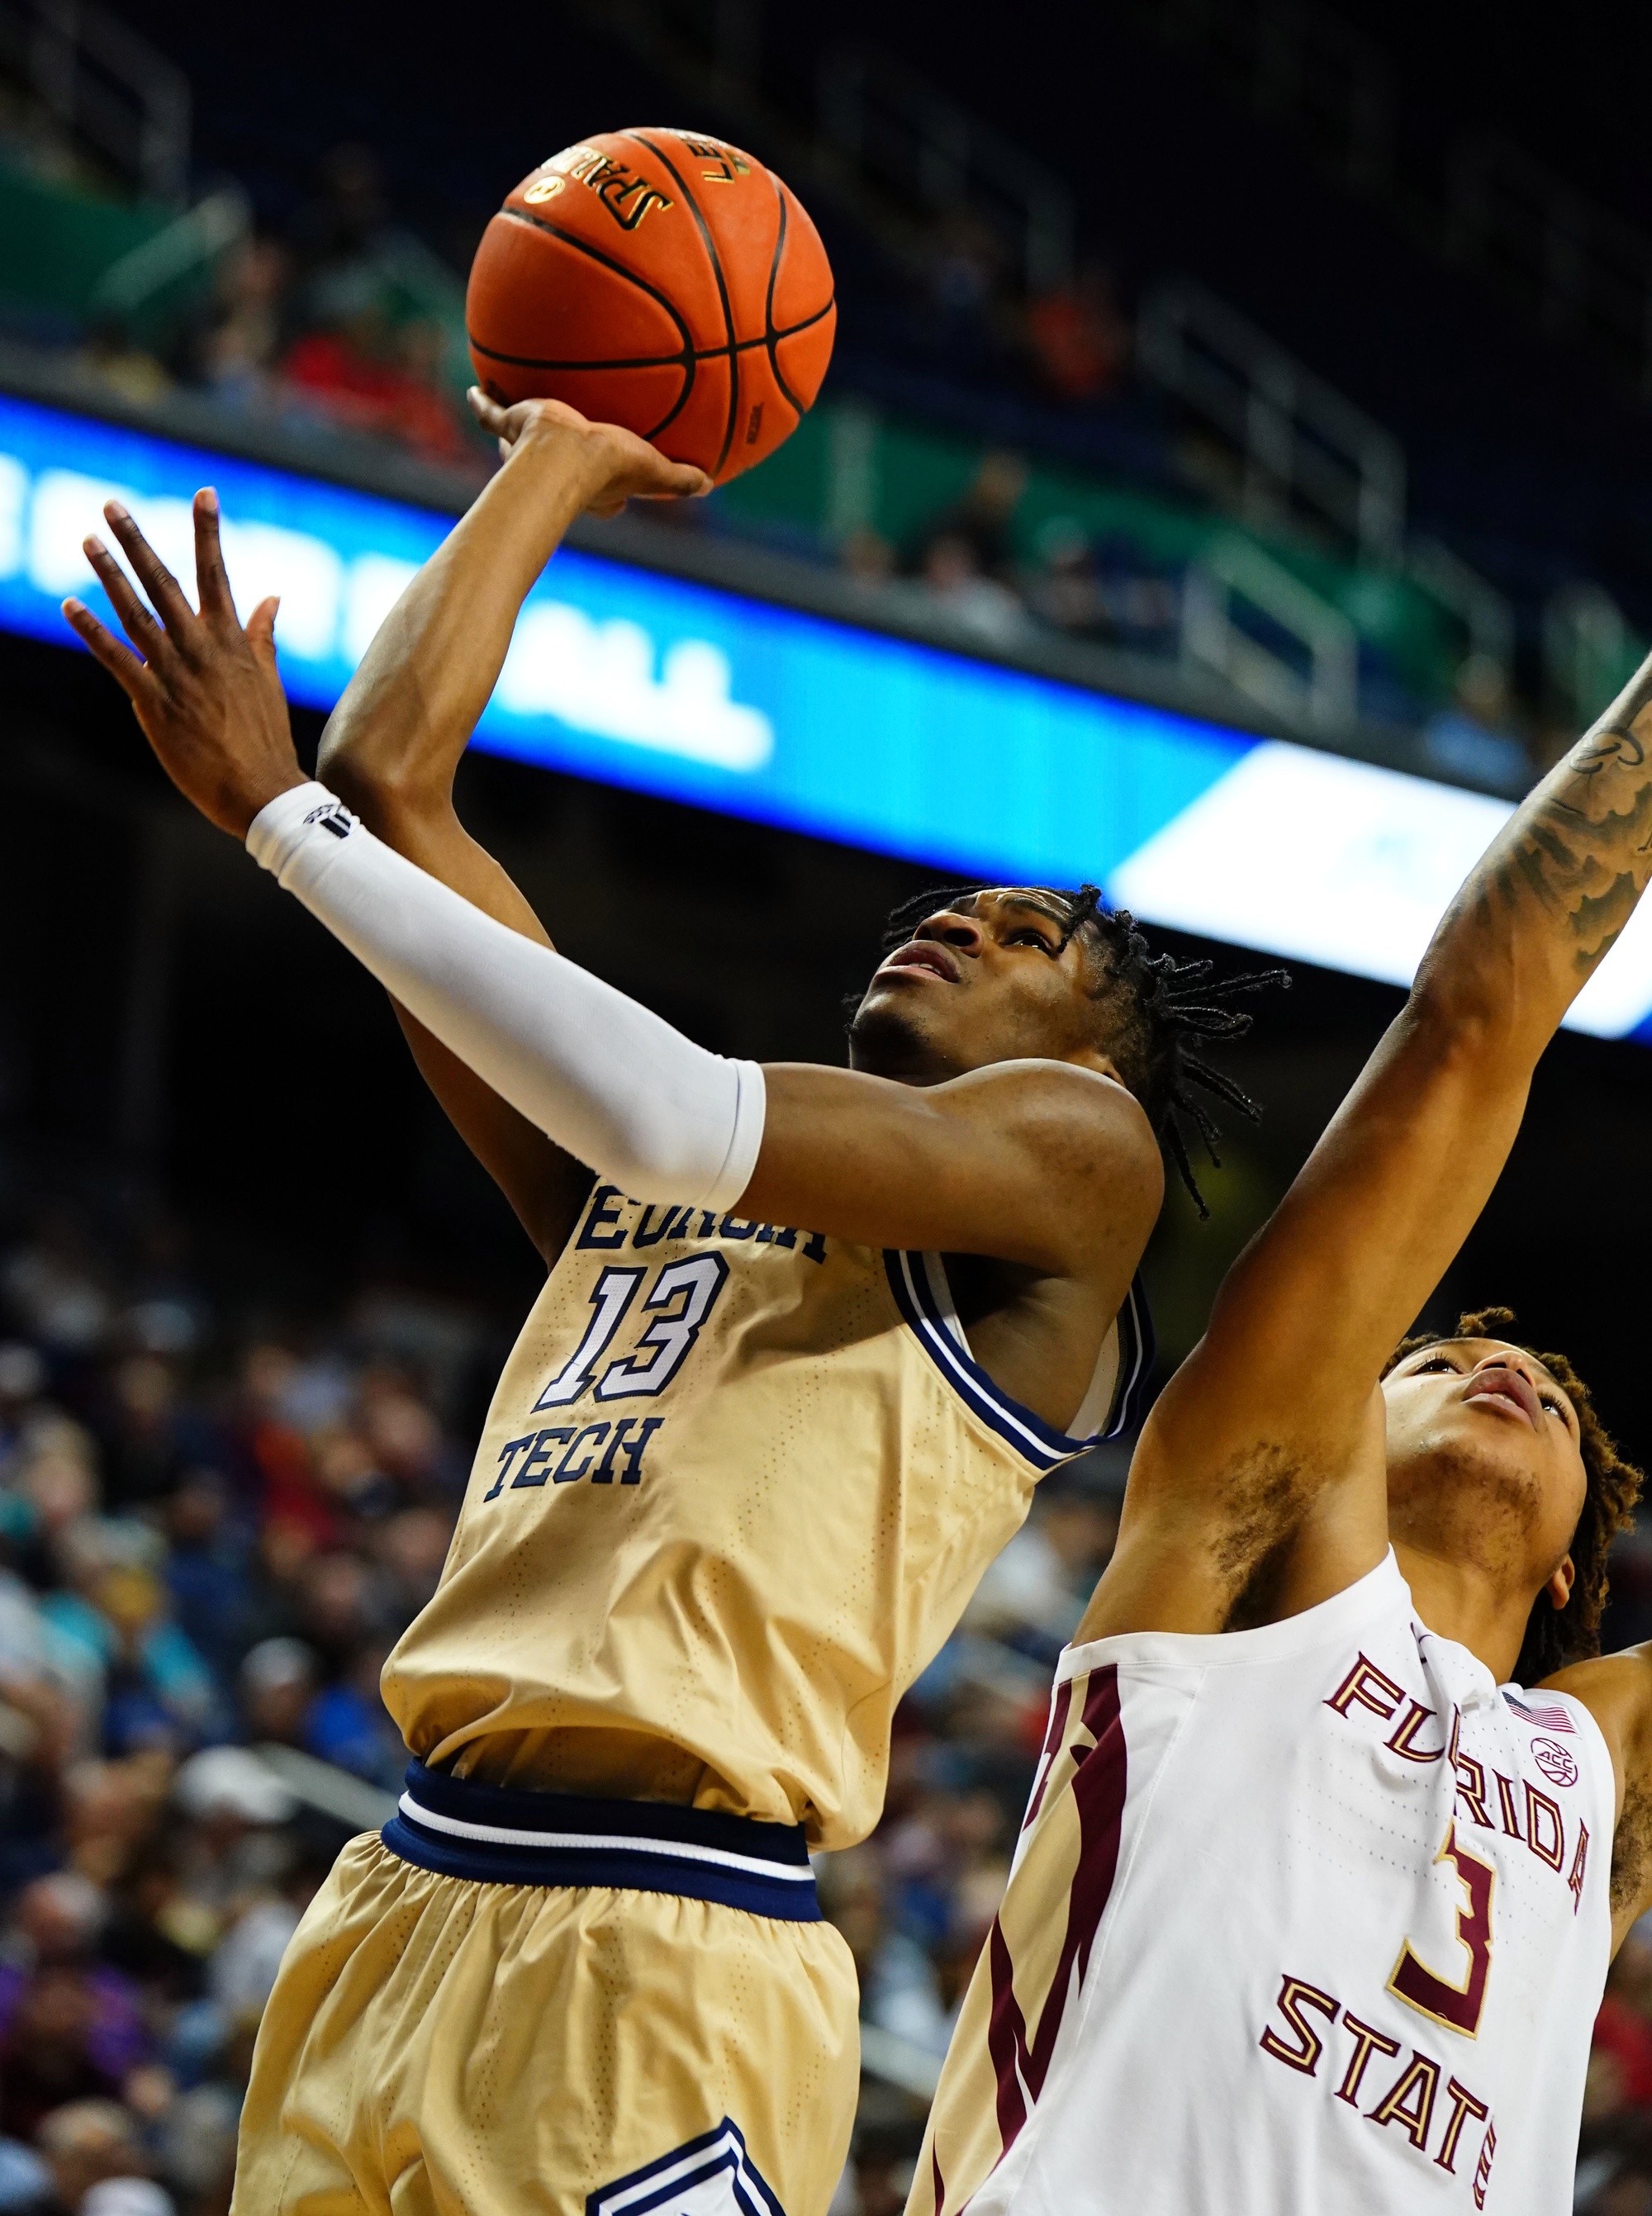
[666, 687]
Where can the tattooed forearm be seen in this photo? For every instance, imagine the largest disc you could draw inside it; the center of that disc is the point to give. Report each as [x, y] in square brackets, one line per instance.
[1553, 891]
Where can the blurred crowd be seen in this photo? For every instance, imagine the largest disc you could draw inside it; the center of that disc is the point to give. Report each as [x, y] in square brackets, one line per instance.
[1614, 2175]
[1068, 342]
[998, 588]
[345, 320]
[968, 566]
[208, 1544]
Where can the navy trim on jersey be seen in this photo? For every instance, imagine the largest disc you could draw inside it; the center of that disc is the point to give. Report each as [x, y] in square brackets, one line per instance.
[1040, 1442]
[717, 2153]
[496, 1835]
[1137, 1350]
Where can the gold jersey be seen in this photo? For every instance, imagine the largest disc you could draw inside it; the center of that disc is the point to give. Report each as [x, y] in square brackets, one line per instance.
[737, 1485]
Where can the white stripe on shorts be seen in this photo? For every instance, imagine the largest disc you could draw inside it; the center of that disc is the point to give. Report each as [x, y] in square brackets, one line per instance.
[496, 1835]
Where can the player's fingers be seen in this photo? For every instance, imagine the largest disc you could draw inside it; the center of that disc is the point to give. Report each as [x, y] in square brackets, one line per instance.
[679, 481]
[212, 579]
[166, 595]
[646, 472]
[260, 630]
[136, 620]
[122, 664]
[487, 411]
[507, 424]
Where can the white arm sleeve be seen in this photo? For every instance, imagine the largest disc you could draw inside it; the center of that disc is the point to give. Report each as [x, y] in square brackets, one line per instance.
[619, 1088]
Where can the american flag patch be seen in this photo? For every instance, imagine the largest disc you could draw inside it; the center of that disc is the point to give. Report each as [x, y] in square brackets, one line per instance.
[1536, 1712]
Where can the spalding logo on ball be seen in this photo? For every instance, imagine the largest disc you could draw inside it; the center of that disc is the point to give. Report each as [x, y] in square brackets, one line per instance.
[663, 280]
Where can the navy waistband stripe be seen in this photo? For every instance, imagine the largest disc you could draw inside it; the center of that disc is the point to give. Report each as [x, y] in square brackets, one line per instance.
[498, 1835]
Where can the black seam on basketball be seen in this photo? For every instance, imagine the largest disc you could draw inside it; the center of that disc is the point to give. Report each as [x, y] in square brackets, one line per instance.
[630, 361]
[688, 358]
[608, 262]
[643, 360]
[710, 243]
[791, 330]
[770, 339]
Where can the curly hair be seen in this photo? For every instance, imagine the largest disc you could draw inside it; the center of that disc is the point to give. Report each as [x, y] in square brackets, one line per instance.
[1556, 1637]
[1158, 1008]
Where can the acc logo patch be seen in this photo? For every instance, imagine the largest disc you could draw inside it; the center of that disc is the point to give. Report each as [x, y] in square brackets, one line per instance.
[1556, 1765]
[712, 2176]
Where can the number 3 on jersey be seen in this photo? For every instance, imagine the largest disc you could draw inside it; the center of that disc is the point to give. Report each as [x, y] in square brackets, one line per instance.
[1422, 1988]
[681, 1299]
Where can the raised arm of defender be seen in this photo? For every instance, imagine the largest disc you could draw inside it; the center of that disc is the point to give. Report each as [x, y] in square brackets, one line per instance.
[1264, 1458]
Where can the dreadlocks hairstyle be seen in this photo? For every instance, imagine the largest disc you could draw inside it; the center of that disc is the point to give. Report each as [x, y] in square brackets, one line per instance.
[1163, 1006]
[1556, 1637]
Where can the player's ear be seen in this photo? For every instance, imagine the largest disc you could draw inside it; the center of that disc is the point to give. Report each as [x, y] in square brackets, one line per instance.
[1562, 1578]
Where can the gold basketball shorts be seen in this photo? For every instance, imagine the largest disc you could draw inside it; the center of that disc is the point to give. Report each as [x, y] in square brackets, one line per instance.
[526, 2002]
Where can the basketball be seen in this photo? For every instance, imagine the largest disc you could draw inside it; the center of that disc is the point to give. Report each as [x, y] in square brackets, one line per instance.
[660, 280]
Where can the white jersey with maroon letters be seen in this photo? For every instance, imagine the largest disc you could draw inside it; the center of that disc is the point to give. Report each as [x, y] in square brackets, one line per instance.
[1309, 1920]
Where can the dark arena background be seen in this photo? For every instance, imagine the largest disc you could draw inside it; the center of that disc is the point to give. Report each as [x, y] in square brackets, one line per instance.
[1239, 404]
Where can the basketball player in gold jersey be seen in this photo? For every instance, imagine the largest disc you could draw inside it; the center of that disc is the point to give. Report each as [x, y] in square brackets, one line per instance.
[810, 1338]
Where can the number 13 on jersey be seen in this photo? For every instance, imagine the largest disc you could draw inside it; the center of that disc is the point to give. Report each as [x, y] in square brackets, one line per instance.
[674, 1311]
[681, 1297]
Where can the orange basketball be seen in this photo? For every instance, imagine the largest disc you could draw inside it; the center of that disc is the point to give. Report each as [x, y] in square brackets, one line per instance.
[662, 279]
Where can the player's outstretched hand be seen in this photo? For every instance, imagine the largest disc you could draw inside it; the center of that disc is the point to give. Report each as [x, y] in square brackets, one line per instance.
[614, 466]
[205, 690]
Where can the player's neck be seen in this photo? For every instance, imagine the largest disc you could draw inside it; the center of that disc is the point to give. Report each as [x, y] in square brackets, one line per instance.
[1467, 1603]
[893, 1051]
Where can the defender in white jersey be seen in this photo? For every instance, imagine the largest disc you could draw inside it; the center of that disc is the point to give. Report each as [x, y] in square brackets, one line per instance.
[809, 1338]
[1339, 1815]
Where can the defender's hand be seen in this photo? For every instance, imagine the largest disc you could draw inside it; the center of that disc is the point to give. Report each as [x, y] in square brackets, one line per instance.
[205, 691]
[610, 466]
